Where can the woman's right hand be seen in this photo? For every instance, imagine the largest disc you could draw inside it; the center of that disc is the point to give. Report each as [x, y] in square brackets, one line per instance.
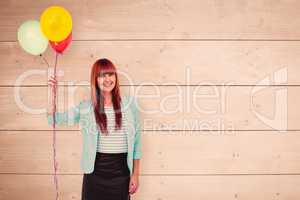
[52, 81]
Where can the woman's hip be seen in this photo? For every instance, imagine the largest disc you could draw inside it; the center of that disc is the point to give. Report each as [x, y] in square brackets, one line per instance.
[111, 165]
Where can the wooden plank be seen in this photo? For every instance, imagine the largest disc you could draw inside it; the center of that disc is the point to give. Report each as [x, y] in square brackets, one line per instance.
[160, 187]
[160, 62]
[164, 19]
[167, 107]
[182, 153]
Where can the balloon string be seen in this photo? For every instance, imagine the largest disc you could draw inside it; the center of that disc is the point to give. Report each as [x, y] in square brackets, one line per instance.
[54, 90]
[45, 60]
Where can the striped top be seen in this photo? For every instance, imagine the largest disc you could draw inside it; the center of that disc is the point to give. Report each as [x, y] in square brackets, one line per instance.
[116, 140]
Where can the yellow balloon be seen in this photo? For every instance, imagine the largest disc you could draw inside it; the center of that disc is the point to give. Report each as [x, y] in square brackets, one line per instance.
[56, 23]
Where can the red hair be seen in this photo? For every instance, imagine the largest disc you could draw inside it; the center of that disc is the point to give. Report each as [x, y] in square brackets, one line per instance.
[101, 66]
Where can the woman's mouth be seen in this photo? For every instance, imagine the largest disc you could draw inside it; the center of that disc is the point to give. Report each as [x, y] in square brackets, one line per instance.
[108, 84]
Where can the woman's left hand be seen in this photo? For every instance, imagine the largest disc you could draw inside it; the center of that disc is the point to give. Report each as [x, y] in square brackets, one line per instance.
[133, 184]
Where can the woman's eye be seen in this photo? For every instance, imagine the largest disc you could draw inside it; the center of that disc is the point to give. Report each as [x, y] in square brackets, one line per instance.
[108, 73]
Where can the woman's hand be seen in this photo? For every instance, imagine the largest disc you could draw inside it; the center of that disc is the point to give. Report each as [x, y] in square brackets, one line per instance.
[133, 184]
[52, 82]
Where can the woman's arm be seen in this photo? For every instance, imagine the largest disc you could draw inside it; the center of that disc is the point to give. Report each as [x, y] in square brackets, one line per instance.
[136, 167]
[137, 151]
[69, 117]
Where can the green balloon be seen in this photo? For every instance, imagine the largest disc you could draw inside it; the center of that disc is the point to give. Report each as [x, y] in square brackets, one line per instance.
[31, 38]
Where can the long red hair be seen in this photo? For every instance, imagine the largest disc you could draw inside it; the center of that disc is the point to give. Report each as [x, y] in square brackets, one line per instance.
[101, 66]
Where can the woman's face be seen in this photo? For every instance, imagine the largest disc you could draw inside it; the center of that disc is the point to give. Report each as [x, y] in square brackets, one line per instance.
[106, 81]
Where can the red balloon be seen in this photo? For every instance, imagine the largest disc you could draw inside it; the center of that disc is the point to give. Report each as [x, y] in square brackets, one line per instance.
[60, 46]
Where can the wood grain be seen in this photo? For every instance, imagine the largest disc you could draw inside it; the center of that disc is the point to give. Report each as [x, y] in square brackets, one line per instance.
[167, 107]
[218, 89]
[133, 19]
[177, 152]
[160, 63]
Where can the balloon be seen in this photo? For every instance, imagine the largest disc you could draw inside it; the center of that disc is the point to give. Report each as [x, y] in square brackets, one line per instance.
[56, 23]
[59, 47]
[31, 38]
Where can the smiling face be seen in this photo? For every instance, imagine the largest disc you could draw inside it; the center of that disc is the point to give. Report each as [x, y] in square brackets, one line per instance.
[106, 81]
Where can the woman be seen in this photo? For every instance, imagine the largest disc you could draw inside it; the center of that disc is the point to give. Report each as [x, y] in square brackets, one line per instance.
[111, 132]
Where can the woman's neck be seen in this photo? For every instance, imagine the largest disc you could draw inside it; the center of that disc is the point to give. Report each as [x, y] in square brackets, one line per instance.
[107, 98]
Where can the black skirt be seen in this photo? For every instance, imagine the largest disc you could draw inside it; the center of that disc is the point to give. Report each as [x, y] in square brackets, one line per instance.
[109, 180]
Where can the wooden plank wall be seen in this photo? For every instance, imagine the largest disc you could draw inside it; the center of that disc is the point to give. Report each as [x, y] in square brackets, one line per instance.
[218, 83]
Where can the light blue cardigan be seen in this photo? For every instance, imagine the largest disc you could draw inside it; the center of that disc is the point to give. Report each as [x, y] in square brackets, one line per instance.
[83, 115]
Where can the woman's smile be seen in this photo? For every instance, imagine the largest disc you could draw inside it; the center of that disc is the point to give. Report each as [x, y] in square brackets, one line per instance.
[108, 84]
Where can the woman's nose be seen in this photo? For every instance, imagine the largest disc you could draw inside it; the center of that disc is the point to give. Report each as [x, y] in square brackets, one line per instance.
[106, 78]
